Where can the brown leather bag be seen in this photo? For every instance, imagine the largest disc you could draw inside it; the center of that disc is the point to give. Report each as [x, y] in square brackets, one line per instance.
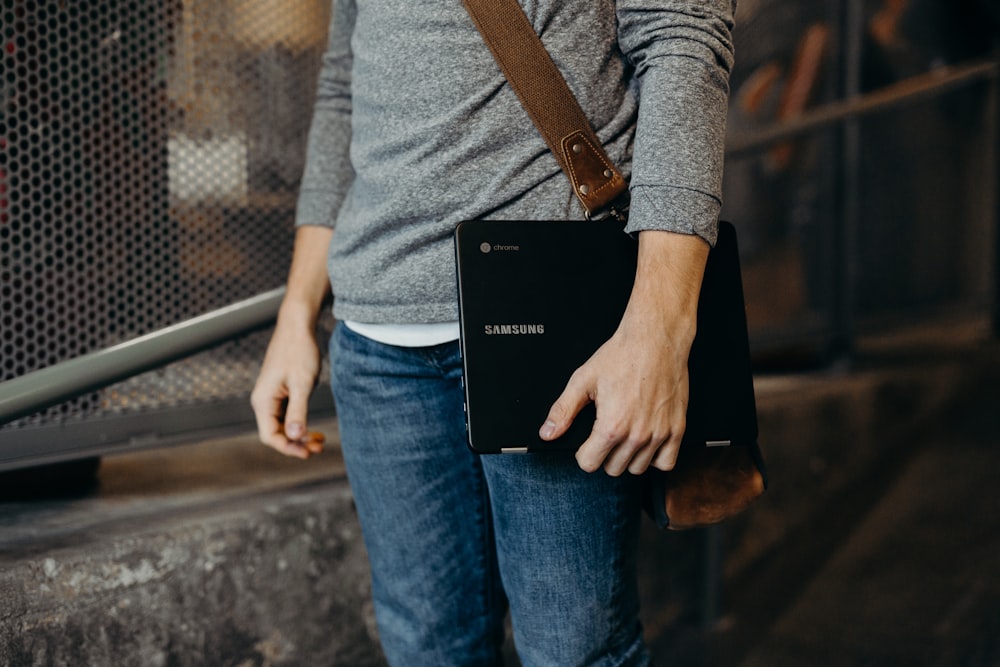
[708, 484]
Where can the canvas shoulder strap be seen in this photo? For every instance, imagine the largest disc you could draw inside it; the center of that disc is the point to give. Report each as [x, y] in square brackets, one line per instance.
[550, 103]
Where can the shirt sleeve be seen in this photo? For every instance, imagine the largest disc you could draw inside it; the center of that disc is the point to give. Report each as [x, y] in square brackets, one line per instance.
[328, 172]
[682, 52]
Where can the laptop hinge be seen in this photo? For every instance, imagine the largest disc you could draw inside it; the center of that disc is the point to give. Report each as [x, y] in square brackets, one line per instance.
[718, 443]
[513, 450]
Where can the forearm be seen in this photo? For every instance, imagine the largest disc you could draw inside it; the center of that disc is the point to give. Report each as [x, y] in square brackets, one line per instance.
[308, 284]
[667, 284]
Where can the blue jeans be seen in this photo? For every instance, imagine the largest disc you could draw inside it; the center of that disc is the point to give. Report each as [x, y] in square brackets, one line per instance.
[453, 538]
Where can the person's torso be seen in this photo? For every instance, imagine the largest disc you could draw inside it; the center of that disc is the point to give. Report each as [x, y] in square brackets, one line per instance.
[439, 137]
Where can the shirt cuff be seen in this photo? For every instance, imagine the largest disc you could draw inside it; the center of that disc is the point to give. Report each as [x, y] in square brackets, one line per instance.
[673, 209]
[317, 207]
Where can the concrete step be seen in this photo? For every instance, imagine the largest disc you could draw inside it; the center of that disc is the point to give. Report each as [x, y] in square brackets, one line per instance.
[219, 553]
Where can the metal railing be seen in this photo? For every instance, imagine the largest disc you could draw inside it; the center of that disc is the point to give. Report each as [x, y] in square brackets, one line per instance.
[60, 382]
[909, 91]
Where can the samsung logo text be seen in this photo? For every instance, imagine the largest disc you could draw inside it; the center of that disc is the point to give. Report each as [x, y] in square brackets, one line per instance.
[513, 329]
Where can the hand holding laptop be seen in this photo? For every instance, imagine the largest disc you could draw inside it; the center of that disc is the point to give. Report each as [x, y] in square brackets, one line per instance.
[638, 379]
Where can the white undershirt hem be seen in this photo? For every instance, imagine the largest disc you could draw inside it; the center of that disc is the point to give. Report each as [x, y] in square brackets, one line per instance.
[407, 335]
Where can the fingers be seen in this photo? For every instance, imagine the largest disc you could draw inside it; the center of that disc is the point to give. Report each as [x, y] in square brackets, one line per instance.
[281, 416]
[562, 413]
[275, 434]
[598, 448]
[666, 456]
[641, 411]
[618, 447]
[640, 462]
[618, 451]
[267, 411]
[311, 442]
[297, 409]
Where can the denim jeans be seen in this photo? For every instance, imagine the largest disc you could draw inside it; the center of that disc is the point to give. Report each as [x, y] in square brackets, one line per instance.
[453, 538]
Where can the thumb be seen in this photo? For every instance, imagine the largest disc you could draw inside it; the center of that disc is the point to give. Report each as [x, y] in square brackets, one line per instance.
[297, 412]
[562, 413]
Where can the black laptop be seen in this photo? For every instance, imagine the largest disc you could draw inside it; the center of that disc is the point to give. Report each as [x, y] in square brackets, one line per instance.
[536, 299]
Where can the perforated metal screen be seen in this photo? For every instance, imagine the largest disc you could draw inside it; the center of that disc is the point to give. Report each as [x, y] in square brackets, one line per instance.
[149, 157]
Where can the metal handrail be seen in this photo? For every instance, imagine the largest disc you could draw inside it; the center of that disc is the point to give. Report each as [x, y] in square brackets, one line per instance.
[913, 89]
[60, 382]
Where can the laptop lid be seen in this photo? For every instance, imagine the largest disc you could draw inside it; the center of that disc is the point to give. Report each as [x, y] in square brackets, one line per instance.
[536, 299]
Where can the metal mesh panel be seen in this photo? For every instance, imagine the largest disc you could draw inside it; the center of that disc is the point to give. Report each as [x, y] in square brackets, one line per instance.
[149, 158]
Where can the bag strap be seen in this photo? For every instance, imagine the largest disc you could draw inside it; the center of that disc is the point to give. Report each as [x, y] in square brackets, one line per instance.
[550, 103]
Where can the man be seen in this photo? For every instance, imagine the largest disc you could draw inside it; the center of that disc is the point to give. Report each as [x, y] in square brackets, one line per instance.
[415, 129]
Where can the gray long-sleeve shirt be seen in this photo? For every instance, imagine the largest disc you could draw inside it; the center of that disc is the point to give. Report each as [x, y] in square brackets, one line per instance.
[415, 129]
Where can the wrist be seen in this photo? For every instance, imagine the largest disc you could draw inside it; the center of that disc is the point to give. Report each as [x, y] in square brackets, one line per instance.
[668, 277]
[298, 314]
